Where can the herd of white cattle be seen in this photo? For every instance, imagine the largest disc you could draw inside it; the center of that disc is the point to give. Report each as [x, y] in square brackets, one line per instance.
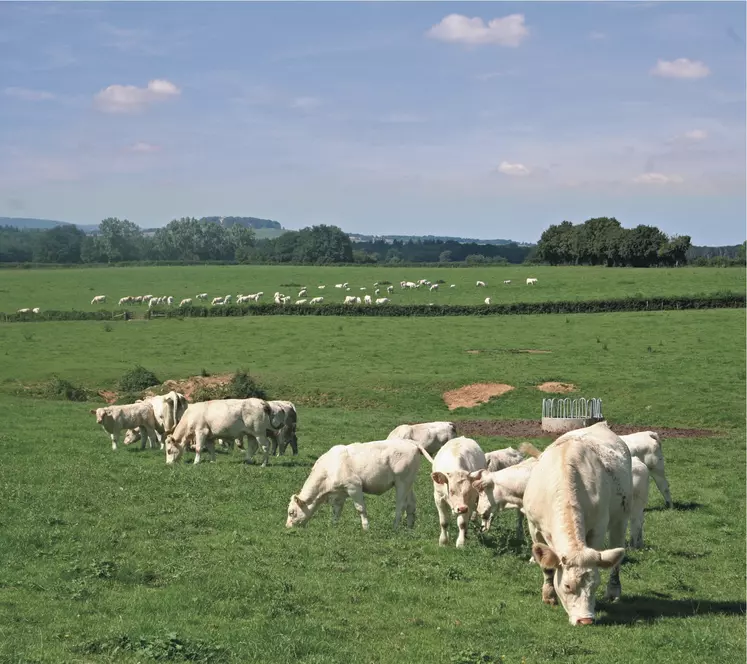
[586, 485]
[281, 298]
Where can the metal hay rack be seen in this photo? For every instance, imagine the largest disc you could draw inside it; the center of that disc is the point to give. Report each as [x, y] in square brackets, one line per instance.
[563, 415]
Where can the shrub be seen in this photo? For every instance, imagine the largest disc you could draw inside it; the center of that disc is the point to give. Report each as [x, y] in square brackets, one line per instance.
[124, 398]
[58, 388]
[208, 393]
[137, 380]
[243, 386]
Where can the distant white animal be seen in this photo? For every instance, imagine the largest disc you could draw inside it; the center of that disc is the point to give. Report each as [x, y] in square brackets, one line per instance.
[202, 296]
[302, 301]
[433, 287]
[531, 281]
[646, 446]
[338, 285]
[390, 289]
[216, 300]
[367, 299]
[500, 459]
[185, 302]
[349, 299]
[480, 284]
[152, 302]
[98, 299]
[363, 288]
[487, 300]
[316, 300]
[431, 435]
[24, 311]
[357, 300]
[321, 287]
[169, 300]
[506, 281]
[452, 286]
[124, 300]
[382, 300]
[377, 291]
[36, 310]
[355, 470]
[302, 292]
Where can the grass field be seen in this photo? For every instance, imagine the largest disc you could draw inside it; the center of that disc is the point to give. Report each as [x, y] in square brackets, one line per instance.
[114, 557]
[74, 288]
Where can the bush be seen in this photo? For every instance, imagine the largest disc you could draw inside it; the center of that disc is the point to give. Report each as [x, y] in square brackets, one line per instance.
[241, 386]
[58, 388]
[124, 398]
[137, 380]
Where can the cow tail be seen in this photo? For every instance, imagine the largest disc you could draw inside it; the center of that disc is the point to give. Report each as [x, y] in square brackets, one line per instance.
[424, 452]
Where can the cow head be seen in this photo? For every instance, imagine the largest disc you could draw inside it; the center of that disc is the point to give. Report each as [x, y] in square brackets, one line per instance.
[461, 496]
[299, 512]
[490, 500]
[174, 450]
[576, 578]
[132, 436]
[101, 414]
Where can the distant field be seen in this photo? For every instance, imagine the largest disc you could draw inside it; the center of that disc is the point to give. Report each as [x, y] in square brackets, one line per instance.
[114, 557]
[74, 288]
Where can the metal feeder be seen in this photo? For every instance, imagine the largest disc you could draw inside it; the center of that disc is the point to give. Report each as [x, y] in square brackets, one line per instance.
[562, 415]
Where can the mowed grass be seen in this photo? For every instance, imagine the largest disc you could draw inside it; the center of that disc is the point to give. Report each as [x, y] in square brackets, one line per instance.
[114, 557]
[74, 288]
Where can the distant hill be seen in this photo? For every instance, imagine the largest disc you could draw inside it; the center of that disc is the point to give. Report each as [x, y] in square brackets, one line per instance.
[728, 251]
[357, 237]
[25, 223]
[249, 222]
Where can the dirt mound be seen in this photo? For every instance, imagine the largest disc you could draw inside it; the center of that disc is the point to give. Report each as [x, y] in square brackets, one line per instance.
[475, 394]
[533, 429]
[557, 388]
[187, 386]
[108, 396]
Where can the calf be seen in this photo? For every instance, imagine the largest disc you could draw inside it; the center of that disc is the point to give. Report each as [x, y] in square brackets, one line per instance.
[579, 491]
[480, 284]
[284, 415]
[646, 445]
[431, 435]
[354, 470]
[531, 281]
[221, 418]
[98, 299]
[499, 459]
[115, 419]
[640, 499]
[455, 467]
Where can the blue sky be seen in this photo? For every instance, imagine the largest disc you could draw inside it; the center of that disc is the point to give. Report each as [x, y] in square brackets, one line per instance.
[474, 119]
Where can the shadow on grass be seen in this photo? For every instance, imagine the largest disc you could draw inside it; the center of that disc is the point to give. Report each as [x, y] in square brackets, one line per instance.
[632, 609]
[678, 507]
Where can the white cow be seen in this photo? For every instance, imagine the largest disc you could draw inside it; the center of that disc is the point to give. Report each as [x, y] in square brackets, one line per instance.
[350, 299]
[480, 284]
[433, 287]
[487, 300]
[216, 301]
[531, 281]
[316, 300]
[367, 299]
[504, 488]
[338, 285]
[506, 281]
[167, 410]
[301, 301]
[202, 296]
[98, 299]
[390, 289]
[124, 300]
[24, 311]
[186, 301]
[321, 287]
[382, 300]
[354, 470]
[640, 499]
[431, 435]
[302, 293]
[500, 459]
[646, 445]
[169, 300]
[377, 291]
[285, 416]
[452, 286]
[579, 491]
[36, 310]
[455, 467]
[222, 418]
[115, 419]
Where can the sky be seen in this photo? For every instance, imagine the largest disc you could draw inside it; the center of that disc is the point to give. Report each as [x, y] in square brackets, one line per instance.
[487, 120]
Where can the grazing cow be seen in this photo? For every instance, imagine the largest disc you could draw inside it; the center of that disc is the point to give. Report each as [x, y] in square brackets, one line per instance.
[338, 285]
[382, 300]
[431, 435]
[115, 419]
[186, 301]
[487, 300]
[357, 300]
[504, 488]
[167, 409]
[124, 300]
[455, 467]
[640, 499]
[646, 445]
[221, 418]
[321, 287]
[433, 287]
[349, 299]
[24, 311]
[302, 293]
[316, 300]
[36, 310]
[301, 301]
[285, 416]
[354, 470]
[367, 299]
[169, 300]
[377, 291]
[98, 299]
[580, 490]
[362, 288]
[480, 284]
[500, 459]
[390, 289]
[202, 296]
[506, 281]
[531, 281]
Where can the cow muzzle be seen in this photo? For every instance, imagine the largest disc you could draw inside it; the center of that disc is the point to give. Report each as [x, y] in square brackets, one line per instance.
[462, 509]
[584, 621]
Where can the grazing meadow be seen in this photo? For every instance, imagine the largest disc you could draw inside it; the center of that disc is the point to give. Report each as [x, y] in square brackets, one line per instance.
[115, 557]
[74, 288]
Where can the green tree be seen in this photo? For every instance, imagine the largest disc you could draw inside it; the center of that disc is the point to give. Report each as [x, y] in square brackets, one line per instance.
[120, 240]
[445, 256]
[59, 245]
[321, 245]
[640, 247]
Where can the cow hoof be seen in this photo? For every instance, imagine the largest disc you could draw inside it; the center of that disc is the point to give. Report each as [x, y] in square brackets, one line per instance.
[612, 594]
[549, 596]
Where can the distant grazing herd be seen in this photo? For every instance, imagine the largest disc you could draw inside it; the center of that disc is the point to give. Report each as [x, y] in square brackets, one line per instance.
[586, 485]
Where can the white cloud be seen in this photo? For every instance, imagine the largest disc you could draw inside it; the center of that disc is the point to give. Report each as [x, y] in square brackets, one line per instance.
[28, 95]
[143, 147]
[597, 35]
[695, 135]
[513, 169]
[131, 99]
[680, 68]
[657, 178]
[456, 28]
[305, 103]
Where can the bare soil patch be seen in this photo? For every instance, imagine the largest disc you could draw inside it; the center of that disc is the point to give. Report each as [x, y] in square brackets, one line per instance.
[475, 394]
[187, 386]
[557, 388]
[108, 396]
[533, 429]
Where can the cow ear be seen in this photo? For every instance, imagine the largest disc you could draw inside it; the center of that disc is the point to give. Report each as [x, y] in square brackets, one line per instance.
[483, 483]
[439, 478]
[299, 501]
[610, 557]
[477, 474]
[546, 558]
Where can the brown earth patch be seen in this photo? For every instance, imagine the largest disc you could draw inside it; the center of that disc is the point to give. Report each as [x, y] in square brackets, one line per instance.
[557, 388]
[475, 394]
[108, 396]
[188, 386]
[533, 429]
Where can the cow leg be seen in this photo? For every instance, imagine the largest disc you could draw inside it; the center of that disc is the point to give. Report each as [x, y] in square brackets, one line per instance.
[519, 525]
[662, 484]
[410, 508]
[617, 530]
[152, 435]
[250, 448]
[273, 445]
[338, 502]
[264, 441]
[463, 524]
[444, 511]
[356, 495]
[211, 448]
[199, 443]
[400, 502]
[115, 438]
[636, 530]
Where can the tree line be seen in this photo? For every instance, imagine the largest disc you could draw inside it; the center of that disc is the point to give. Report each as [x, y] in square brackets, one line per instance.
[598, 241]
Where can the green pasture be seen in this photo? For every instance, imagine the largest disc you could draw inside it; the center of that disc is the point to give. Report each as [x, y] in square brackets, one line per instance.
[74, 288]
[115, 557]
